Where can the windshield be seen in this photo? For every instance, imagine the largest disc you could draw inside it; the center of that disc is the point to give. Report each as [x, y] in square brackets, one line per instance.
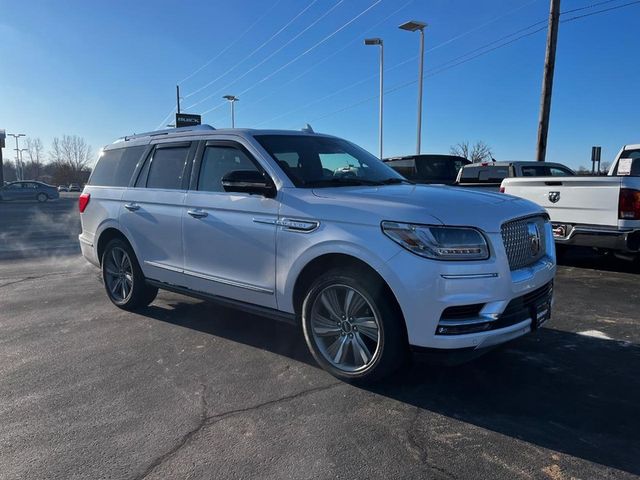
[316, 161]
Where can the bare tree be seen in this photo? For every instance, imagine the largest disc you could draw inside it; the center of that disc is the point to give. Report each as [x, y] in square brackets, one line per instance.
[479, 152]
[35, 154]
[71, 156]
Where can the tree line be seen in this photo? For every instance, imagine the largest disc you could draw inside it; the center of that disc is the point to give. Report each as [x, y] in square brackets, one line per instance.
[67, 161]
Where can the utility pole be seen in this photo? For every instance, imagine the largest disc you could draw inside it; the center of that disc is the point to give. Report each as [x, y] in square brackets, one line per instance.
[547, 80]
[178, 97]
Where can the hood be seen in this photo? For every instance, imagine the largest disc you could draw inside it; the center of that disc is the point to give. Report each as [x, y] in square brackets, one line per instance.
[447, 205]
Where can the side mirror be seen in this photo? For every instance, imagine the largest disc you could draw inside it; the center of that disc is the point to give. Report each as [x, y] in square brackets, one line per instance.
[249, 181]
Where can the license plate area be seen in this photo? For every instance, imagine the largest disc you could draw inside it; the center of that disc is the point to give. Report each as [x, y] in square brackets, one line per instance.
[541, 311]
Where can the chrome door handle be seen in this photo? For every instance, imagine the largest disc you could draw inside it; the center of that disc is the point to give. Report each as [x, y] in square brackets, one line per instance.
[132, 207]
[197, 213]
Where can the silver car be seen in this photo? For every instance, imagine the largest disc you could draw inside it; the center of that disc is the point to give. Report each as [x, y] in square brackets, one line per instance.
[30, 190]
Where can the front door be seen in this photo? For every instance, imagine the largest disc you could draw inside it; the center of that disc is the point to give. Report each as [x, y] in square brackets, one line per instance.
[229, 238]
[151, 211]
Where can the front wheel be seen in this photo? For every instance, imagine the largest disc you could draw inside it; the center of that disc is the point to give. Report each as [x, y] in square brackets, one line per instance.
[123, 279]
[353, 328]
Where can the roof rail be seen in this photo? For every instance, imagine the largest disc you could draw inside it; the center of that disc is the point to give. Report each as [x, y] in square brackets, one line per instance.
[168, 131]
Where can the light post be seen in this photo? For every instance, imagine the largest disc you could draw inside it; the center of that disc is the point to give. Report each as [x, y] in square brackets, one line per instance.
[413, 26]
[17, 149]
[378, 41]
[22, 163]
[232, 99]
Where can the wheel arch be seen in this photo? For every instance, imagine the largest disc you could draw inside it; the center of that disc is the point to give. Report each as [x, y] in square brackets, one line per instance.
[105, 237]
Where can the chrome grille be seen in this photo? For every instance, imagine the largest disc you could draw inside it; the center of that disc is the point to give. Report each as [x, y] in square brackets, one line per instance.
[519, 242]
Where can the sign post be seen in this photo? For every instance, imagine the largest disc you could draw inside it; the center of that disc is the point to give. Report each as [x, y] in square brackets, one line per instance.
[187, 120]
[595, 158]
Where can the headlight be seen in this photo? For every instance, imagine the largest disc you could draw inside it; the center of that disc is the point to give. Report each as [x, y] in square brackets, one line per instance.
[439, 243]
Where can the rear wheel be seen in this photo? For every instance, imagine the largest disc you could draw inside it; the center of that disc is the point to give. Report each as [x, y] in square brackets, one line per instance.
[42, 197]
[352, 327]
[123, 279]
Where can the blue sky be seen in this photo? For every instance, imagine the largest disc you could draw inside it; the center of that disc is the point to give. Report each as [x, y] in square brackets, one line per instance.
[105, 69]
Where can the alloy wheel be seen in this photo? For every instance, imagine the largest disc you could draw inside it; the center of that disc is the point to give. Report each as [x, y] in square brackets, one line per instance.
[119, 274]
[346, 328]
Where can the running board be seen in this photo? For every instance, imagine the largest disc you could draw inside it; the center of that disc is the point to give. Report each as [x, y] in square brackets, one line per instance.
[271, 313]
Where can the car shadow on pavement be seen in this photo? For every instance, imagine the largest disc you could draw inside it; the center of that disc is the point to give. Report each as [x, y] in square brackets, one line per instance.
[559, 390]
[584, 257]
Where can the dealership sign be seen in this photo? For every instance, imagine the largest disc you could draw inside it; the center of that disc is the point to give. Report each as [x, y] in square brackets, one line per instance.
[187, 120]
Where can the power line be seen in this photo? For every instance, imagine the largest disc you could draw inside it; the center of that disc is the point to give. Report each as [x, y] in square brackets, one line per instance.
[391, 68]
[262, 45]
[444, 67]
[274, 5]
[357, 38]
[269, 56]
[310, 49]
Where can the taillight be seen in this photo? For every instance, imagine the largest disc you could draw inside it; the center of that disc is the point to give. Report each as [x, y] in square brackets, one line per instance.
[629, 204]
[83, 201]
[501, 189]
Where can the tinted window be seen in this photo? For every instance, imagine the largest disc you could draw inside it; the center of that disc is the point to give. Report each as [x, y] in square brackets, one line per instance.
[635, 165]
[217, 162]
[167, 167]
[325, 161]
[496, 174]
[115, 167]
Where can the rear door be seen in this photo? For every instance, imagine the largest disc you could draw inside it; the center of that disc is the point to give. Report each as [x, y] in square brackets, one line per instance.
[576, 200]
[229, 238]
[151, 211]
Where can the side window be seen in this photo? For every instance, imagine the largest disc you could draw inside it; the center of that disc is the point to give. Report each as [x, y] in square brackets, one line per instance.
[115, 167]
[167, 167]
[217, 161]
[559, 172]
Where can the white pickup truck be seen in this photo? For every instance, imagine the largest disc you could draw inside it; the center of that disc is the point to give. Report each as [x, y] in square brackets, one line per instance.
[601, 212]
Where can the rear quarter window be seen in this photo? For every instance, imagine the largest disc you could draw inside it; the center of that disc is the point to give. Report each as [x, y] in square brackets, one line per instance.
[115, 167]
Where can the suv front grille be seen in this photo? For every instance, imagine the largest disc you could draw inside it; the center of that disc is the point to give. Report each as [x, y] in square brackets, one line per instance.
[524, 241]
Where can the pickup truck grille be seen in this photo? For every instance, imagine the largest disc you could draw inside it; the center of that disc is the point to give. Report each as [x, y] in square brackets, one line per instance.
[524, 241]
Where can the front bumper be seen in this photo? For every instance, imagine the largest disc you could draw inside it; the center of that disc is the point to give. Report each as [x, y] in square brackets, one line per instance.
[426, 289]
[611, 238]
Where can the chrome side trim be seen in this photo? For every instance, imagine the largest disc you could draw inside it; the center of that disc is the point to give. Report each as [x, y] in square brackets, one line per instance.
[467, 276]
[211, 278]
[225, 281]
[163, 266]
[290, 224]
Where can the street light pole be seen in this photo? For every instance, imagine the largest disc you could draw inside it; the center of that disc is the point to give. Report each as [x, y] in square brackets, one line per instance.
[413, 26]
[378, 41]
[232, 99]
[17, 149]
[22, 163]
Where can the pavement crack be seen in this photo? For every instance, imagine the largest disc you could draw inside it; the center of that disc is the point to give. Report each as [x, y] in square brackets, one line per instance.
[207, 420]
[412, 439]
[38, 277]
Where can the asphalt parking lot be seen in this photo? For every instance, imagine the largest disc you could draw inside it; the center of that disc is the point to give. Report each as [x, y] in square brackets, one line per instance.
[187, 389]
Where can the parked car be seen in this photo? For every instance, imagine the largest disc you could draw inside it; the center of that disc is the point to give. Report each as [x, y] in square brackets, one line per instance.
[63, 188]
[28, 190]
[489, 175]
[601, 212]
[310, 228]
[428, 168]
[74, 187]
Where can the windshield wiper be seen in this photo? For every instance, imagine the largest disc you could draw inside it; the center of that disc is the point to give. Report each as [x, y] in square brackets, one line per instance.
[340, 181]
[395, 180]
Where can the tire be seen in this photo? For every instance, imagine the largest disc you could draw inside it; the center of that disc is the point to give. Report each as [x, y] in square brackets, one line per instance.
[42, 197]
[362, 343]
[123, 280]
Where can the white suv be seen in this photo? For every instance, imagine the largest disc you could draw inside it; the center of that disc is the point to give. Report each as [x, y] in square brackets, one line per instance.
[313, 229]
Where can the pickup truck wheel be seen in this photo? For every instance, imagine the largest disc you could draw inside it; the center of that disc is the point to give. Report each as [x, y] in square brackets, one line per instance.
[352, 328]
[123, 279]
